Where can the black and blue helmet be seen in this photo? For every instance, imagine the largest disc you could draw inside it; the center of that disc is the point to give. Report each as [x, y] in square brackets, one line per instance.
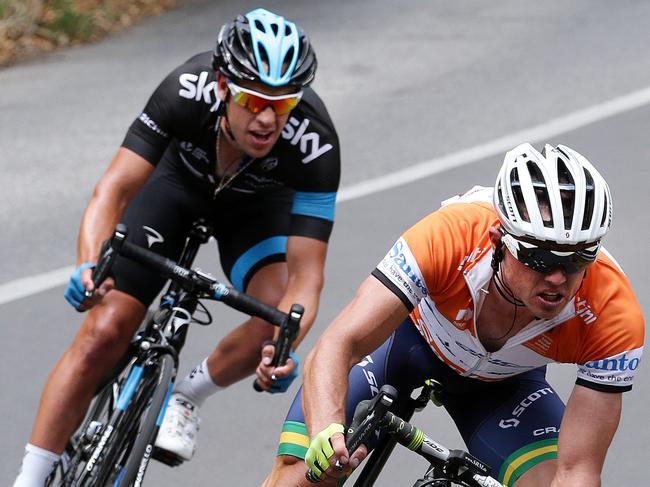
[264, 47]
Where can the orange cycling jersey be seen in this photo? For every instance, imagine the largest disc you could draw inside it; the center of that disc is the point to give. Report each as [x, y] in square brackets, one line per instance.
[439, 267]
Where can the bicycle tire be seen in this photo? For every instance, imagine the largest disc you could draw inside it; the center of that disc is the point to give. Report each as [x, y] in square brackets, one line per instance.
[142, 449]
[117, 450]
[66, 473]
[106, 465]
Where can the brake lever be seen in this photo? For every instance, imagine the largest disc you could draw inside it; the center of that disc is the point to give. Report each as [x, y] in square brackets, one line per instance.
[110, 250]
[288, 332]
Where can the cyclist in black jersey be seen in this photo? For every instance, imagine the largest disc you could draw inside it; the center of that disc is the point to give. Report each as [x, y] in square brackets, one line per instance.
[235, 136]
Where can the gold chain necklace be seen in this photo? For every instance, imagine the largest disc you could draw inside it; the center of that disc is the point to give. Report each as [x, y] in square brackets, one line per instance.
[225, 181]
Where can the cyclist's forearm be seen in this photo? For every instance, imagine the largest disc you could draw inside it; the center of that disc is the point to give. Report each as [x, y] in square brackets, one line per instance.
[310, 301]
[325, 385]
[125, 175]
[99, 219]
[364, 324]
[305, 262]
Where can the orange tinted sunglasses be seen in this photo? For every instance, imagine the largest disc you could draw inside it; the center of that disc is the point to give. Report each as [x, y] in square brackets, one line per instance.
[255, 101]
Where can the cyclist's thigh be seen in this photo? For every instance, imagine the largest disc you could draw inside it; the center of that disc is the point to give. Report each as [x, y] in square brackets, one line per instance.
[403, 358]
[512, 425]
[251, 230]
[158, 218]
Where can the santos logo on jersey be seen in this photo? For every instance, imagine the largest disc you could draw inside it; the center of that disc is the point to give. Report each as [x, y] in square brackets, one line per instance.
[295, 131]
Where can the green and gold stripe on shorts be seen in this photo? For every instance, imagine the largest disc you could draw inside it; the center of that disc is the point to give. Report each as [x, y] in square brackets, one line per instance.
[525, 458]
[294, 439]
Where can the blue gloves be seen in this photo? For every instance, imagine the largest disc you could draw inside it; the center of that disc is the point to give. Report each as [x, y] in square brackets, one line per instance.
[74, 293]
[283, 383]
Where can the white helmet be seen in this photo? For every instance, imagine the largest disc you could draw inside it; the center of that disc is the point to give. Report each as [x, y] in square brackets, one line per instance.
[555, 195]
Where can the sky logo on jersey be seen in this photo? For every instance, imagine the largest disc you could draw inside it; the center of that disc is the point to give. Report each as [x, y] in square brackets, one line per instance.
[296, 132]
[195, 87]
[398, 257]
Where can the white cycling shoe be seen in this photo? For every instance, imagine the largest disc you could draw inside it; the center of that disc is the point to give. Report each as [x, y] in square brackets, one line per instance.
[176, 440]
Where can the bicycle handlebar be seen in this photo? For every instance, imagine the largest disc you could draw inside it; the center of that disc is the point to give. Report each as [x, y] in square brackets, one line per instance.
[373, 414]
[367, 417]
[192, 280]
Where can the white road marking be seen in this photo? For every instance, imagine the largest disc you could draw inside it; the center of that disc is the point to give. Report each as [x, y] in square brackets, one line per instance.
[21, 288]
[28, 286]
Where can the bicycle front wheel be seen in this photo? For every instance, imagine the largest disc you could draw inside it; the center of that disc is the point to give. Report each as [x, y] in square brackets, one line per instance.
[144, 433]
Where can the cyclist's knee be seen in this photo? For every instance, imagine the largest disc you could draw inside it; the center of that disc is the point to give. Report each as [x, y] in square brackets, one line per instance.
[269, 283]
[261, 331]
[105, 334]
[539, 475]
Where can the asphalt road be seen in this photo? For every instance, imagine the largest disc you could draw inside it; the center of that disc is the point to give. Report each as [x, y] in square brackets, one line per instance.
[405, 82]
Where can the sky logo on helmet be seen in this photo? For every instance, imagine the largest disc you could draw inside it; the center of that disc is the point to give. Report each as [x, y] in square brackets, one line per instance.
[296, 133]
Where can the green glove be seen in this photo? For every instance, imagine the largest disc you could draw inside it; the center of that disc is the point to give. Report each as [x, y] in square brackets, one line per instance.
[320, 449]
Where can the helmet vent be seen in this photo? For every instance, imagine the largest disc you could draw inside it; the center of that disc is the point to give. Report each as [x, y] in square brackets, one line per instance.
[518, 195]
[541, 193]
[606, 208]
[589, 200]
[567, 188]
[287, 59]
[260, 26]
[264, 57]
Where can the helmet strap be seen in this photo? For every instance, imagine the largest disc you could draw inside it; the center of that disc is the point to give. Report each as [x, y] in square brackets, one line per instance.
[503, 289]
[231, 136]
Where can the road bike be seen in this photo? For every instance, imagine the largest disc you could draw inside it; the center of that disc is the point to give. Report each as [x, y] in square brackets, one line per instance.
[447, 467]
[115, 442]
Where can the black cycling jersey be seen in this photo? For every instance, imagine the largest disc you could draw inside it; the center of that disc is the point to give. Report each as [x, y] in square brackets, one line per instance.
[179, 124]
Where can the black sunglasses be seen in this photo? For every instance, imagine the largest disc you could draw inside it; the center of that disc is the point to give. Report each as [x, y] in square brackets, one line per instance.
[545, 260]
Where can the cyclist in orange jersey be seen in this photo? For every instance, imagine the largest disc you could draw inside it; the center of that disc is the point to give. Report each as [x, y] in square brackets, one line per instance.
[481, 295]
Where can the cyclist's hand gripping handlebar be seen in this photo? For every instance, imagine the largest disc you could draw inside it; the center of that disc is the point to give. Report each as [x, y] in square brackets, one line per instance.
[110, 250]
[289, 329]
[368, 415]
